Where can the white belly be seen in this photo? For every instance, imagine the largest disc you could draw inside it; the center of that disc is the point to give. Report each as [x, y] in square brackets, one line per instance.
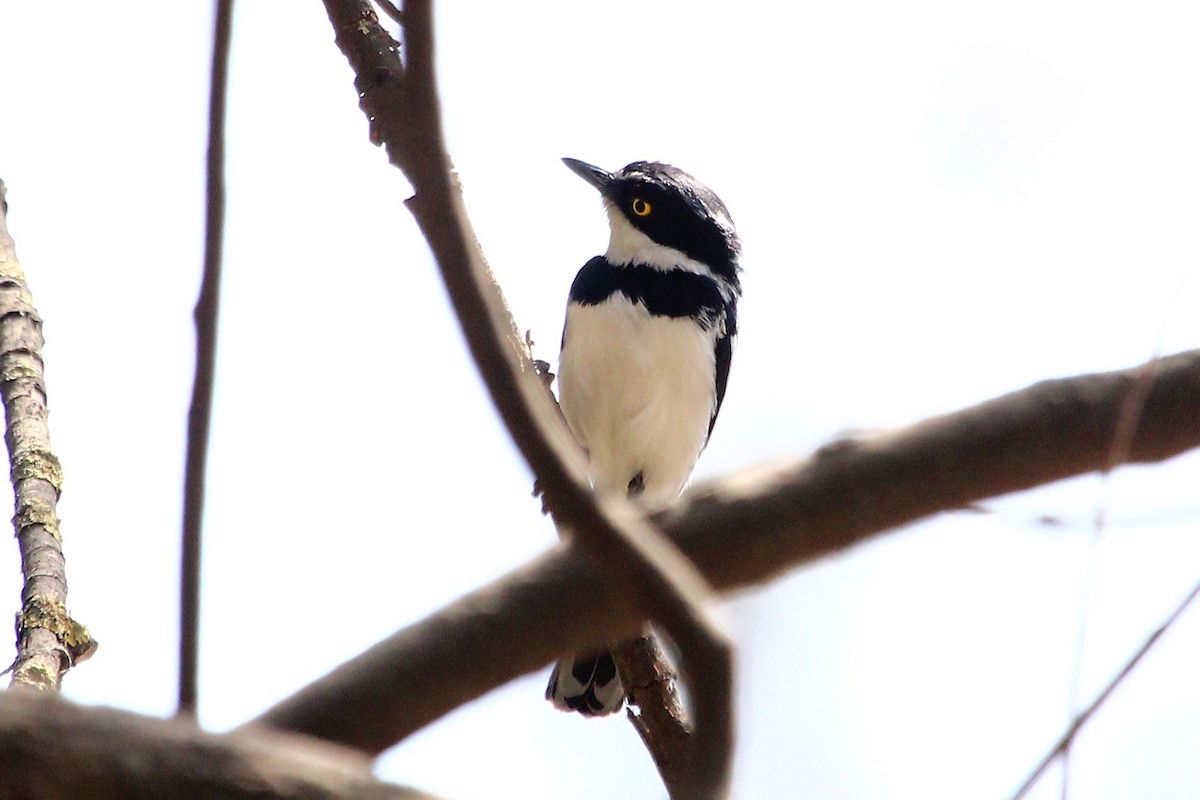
[637, 391]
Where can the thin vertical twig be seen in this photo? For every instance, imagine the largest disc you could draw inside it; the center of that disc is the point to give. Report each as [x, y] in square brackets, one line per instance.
[49, 641]
[200, 413]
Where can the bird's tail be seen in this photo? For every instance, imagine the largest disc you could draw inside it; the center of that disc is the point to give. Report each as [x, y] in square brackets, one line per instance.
[588, 684]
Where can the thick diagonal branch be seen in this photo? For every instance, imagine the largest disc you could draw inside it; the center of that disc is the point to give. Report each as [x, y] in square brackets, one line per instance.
[401, 102]
[49, 642]
[747, 529]
[854, 489]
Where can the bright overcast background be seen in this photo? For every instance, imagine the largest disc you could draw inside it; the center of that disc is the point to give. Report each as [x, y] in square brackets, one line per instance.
[940, 202]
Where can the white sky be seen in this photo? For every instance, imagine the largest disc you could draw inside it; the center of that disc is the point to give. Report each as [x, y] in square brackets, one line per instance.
[940, 202]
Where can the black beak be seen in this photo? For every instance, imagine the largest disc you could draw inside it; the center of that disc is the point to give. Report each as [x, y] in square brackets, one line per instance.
[597, 177]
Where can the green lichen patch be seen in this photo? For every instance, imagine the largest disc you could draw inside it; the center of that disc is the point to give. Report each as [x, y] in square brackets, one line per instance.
[35, 511]
[41, 464]
[36, 675]
[49, 613]
[14, 369]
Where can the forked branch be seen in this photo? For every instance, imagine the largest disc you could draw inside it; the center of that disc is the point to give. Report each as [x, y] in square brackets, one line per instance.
[400, 100]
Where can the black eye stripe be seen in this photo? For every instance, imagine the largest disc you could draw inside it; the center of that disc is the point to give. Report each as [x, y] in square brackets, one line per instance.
[683, 215]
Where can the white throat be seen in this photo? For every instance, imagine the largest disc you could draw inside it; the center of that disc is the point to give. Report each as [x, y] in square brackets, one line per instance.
[628, 245]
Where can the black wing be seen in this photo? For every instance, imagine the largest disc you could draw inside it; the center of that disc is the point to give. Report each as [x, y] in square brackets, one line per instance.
[724, 356]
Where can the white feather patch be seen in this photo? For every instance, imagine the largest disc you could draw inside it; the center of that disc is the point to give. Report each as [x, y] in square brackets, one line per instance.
[638, 392]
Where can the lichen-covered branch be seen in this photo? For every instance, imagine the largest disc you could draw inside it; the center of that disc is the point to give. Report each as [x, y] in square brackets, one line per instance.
[49, 642]
[747, 529]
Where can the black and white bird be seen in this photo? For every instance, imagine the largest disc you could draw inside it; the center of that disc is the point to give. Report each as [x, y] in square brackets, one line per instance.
[645, 357]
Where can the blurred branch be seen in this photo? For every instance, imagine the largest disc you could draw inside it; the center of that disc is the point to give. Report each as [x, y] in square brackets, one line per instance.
[49, 642]
[200, 413]
[54, 750]
[400, 100]
[747, 529]
[848, 491]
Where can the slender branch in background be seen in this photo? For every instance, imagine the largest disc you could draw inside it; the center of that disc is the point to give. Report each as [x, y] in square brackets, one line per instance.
[200, 413]
[1072, 731]
[49, 642]
[1128, 415]
[742, 530]
[401, 102]
[54, 750]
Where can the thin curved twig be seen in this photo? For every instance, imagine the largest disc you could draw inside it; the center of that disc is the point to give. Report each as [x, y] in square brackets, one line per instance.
[1065, 741]
[401, 102]
[200, 412]
[743, 530]
[49, 641]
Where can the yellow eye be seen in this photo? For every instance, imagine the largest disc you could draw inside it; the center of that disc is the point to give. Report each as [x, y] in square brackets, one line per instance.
[641, 207]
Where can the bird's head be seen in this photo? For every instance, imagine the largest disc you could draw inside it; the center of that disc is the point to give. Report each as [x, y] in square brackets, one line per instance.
[657, 213]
